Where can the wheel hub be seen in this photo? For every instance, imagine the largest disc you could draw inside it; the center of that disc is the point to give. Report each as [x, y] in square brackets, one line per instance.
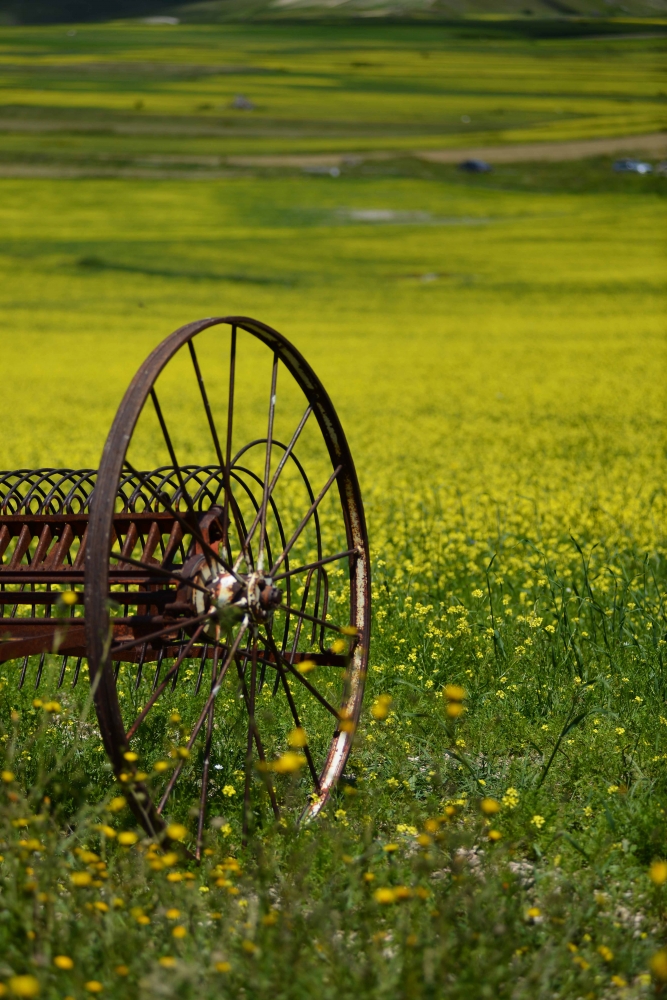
[235, 595]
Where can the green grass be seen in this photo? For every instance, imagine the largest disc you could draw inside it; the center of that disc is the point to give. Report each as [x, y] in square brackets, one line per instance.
[495, 349]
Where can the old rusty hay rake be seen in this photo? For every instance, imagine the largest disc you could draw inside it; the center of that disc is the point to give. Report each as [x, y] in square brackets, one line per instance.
[237, 578]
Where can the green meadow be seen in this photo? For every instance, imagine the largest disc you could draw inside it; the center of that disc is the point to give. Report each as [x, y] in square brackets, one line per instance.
[494, 345]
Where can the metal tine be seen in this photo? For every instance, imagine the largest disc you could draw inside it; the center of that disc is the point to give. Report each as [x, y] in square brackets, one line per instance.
[200, 676]
[24, 668]
[178, 655]
[245, 653]
[159, 690]
[77, 668]
[117, 670]
[63, 668]
[39, 670]
[140, 666]
[16, 607]
[160, 658]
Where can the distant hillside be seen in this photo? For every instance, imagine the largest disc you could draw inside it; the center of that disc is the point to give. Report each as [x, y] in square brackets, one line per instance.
[495, 14]
[219, 10]
[70, 11]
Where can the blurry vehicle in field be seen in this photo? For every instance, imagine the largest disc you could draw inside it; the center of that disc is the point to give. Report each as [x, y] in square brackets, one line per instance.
[632, 167]
[476, 166]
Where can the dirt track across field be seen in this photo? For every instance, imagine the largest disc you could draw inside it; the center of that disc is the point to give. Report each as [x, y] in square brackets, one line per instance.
[166, 167]
[653, 144]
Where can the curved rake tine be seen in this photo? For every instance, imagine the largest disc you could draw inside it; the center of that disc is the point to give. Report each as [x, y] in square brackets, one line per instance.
[63, 668]
[311, 510]
[299, 625]
[226, 465]
[156, 675]
[77, 668]
[24, 668]
[140, 666]
[201, 668]
[192, 528]
[325, 605]
[258, 740]
[180, 658]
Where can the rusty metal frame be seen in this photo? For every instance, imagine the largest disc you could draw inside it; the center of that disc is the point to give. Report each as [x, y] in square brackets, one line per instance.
[65, 522]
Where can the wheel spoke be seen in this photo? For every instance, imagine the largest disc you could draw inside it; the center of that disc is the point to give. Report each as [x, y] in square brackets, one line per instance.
[293, 709]
[267, 464]
[226, 465]
[172, 455]
[258, 740]
[207, 760]
[311, 510]
[309, 618]
[315, 565]
[156, 694]
[299, 625]
[200, 721]
[250, 737]
[313, 690]
[281, 465]
[207, 407]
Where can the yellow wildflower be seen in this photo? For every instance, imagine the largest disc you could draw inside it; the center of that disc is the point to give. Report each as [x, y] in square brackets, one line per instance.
[658, 872]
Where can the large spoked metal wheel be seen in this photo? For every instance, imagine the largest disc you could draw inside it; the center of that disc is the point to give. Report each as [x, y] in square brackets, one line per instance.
[227, 591]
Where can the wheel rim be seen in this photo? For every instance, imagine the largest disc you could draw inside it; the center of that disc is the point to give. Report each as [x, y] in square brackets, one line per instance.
[240, 538]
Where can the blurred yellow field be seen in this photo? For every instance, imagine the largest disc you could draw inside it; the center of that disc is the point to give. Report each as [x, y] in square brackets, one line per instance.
[497, 357]
[494, 344]
[156, 90]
